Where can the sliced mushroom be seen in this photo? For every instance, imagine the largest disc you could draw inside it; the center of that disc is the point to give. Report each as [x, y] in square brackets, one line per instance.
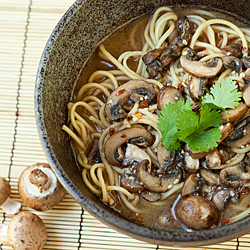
[162, 183]
[234, 114]
[134, 90]
[168, 94]
[154, 69]
[246, 61]
[234, 177]
[246, 95]
[207, 69]
[150, 196]
[173, 51]
[233, 49]
[191, 164]
[196, 87]
[135, 153]
[225, 129]
[197, 212]
[213, 159]
[210, 177]
[39, 188]
[151, 56]
[190, 185]
[224, 154]
[222, 197]
[246, 76]
[135, 135]
[165, 158]
[92, 151]
[130, 182]
[184, 30]
[240, 136]
[233, 63]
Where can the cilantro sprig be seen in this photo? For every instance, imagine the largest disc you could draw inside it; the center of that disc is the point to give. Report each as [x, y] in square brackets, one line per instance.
[223, 95]
[179, 123]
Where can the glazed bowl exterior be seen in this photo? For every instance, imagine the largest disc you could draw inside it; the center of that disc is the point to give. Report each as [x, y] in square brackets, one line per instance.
[78, 32]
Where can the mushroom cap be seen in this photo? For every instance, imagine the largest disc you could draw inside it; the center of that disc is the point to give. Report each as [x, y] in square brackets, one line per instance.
[4, 190]
[40, 201]
[134, 135]
[197, 212]
[27, 231]
[202, 69]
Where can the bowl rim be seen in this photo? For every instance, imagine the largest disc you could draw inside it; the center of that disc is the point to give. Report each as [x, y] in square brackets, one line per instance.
[112, 218]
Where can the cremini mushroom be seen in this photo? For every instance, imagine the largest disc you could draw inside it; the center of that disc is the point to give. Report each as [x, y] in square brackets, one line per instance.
[191, 164]
[132, 157]
[246, 61]
[196, 87]
[197, 212]
[240, 136]
[210, 177]
[213, 159]
[222, 197]
[39, 188]
[135, 153]
[165, 158]
[234, 114]
[233, 49]
[168, 94]
[8, 205]
[25, 231]
[233, 63]
[234, 176]
[207, 69]
[246, 95]
[129, 181]
[191, 185]
[184, 30]
[151, 56]
[135, 91]
[134, 135]
[173, 51]
[150, 196]
[160, 183]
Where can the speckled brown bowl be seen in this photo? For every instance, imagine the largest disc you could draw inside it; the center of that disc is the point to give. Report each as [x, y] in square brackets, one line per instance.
[82, 27]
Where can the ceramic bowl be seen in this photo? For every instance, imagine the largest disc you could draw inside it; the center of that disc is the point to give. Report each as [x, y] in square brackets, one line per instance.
[76, 35]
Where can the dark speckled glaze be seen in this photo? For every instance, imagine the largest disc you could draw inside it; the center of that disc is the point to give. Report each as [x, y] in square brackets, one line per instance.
[82, 27]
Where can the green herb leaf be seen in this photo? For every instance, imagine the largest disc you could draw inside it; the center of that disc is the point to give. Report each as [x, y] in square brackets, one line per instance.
[208, 138]
[223, 95]
[178, 123]
[168, 126]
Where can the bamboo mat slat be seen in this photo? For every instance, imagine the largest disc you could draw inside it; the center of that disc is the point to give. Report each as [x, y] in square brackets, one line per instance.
[25, 26]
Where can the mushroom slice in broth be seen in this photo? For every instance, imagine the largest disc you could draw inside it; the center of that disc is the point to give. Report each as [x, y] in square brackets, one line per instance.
[137, 135]
[134, 90]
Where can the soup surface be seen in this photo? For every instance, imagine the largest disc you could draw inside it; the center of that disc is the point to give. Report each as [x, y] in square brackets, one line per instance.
[160, 120]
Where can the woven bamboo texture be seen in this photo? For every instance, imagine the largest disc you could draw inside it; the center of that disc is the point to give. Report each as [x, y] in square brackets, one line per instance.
[25, 26]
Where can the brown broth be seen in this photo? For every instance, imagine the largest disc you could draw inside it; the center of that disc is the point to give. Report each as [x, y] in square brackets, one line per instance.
[130, 37]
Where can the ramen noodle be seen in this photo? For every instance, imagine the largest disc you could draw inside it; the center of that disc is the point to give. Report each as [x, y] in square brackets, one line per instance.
[113, 120]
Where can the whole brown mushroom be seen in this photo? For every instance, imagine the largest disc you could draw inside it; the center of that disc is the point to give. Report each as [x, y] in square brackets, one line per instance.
[39, 188]
[8, 205]
[197, 212]
[26, 231]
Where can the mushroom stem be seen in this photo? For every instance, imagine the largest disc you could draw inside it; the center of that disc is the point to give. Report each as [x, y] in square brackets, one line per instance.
[3, 234]
[39, 188]
[11, 207]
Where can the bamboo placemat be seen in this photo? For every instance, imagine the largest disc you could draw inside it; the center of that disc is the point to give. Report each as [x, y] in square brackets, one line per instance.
[25, 26]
